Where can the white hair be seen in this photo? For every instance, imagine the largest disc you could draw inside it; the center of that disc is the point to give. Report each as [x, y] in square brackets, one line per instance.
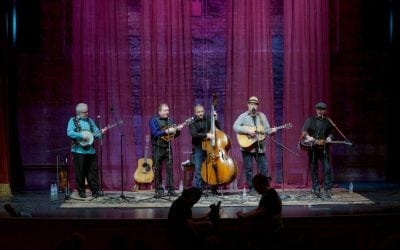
[80, 107]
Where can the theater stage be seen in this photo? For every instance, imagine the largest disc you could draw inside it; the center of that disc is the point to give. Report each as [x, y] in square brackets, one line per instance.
[364, 219]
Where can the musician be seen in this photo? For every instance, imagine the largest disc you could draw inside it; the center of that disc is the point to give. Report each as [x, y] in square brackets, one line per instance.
[319, 130]
[200, 131]
[253, 123]
[84, 156]
[162, 129]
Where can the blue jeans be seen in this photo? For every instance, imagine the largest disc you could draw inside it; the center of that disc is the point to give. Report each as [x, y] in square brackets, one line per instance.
[322, 155]
[198, 157]
[262, 166]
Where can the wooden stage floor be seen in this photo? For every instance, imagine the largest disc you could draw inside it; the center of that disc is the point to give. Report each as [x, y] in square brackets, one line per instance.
[385, 197]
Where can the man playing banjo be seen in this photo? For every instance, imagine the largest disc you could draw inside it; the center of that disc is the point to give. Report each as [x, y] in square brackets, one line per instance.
[82, 130]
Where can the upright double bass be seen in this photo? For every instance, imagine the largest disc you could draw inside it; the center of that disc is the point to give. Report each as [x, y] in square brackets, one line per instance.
[217, 168]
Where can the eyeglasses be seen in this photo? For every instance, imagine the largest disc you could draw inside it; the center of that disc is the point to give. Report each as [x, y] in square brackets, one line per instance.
[85, 112]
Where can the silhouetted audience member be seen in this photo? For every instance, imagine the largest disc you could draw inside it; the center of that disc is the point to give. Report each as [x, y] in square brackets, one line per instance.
[265, 220]
[185, 231]
[119, 242]
[74, 242]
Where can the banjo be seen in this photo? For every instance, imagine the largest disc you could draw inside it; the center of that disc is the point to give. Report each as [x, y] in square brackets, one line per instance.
[90, 136]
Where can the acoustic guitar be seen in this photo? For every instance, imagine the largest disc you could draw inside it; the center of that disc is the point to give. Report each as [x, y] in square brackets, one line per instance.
[246, 141]
[144, 172]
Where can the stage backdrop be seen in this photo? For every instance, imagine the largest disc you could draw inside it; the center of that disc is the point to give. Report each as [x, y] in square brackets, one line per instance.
[123, 58]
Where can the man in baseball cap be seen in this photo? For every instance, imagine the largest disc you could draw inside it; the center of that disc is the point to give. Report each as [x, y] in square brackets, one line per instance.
[321, 105]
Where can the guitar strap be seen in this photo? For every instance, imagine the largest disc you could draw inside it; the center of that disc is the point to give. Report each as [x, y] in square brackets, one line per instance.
[78, 127]
[260, 145]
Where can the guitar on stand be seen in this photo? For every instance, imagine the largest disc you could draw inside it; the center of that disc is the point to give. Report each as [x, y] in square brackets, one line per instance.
[144, 173]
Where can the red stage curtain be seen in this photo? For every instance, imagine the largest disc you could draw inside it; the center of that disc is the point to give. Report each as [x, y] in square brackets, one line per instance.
[5, 190]
[306, 75]
[249, 68]
[101, 79]
[166, 69]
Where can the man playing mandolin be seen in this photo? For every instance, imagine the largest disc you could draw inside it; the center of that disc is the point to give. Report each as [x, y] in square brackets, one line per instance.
[163, 129]
[81, 129]
[255, 125]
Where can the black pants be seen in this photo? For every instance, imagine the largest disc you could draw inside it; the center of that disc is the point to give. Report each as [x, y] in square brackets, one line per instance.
[85, 166]
[161, 155]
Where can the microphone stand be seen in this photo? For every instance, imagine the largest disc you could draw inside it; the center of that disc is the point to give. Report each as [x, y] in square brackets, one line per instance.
[340, 132]
[121, 134]
[101, 158]
[283, 196]
[100, 161]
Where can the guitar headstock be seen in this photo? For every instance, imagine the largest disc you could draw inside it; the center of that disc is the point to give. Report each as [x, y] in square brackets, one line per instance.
[348, 143]
[189, 120]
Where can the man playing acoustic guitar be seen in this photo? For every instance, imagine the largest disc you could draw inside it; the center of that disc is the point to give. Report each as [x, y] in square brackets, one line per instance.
[253, 124]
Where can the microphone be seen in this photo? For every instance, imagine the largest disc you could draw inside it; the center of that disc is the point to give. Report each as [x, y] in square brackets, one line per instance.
[253, 111]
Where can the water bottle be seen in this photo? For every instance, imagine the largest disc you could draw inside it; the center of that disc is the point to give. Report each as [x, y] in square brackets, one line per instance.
[351, 187]
[235, 185]
[244, 194]
[52, 192]
[181, 186]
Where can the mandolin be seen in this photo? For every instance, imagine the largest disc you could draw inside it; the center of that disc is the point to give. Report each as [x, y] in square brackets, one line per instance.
[144, 172]
[246, 141]
[170, 136]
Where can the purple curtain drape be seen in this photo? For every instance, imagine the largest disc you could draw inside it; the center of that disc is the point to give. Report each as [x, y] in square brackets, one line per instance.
[306, 76]
[249, 68]
[166, 69]
[101, 79]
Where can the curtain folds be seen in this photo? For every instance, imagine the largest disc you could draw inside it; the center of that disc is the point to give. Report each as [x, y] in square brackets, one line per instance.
[306, 75]
[5, 190]
[101, 75]
[101, 79]
[249, 68]
[166, 69]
